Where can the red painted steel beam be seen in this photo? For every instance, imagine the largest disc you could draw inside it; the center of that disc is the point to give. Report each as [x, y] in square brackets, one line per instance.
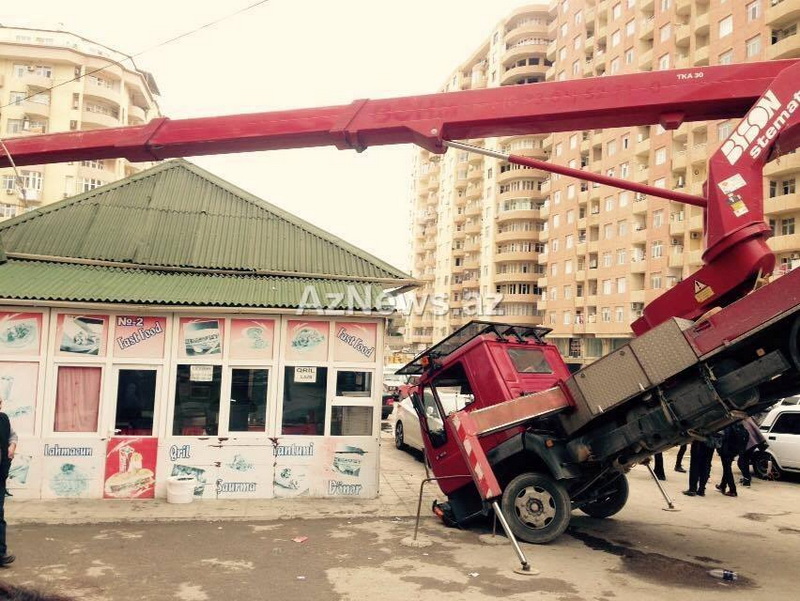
[666, 97]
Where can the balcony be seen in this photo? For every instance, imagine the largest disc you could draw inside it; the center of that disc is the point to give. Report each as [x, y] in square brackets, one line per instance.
[112, 95]
[779, 205]
[526, 30]
[136, 115]
[91, 118]
[683, 36]
[675, 259]
[783, 165]
[646, 60]
[514, 214]
[526, 255]
[512, 76]
[781, 14]
[696, 257]
[701, 25]
[542, 282]
[636, 296]
[473, 227]
[639, 236]
[677, 228]
[522, 235]
[683, 8]
[502, 278]
[780, 244]
[473, 209]
[646, 28]
[701, 57]
[642, 148]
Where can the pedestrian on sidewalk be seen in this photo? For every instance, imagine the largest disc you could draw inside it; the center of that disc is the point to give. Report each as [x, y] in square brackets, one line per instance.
[7, 450]
[679, 459]
[755, 442]
[734, 441]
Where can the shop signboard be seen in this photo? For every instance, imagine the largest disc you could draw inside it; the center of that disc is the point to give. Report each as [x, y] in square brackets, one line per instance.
[355, 342]
[201, 336]
[18, 386]
[140, 337]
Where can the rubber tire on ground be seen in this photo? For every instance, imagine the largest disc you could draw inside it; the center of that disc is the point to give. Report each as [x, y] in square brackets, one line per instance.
[610, 504]
[542, 487]
[760, 462]
[398, 436]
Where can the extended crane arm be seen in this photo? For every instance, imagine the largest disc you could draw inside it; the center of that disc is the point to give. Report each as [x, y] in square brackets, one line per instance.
[662, 97]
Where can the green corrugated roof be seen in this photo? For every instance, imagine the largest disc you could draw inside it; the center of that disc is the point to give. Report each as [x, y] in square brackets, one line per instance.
[43, 281]
[179, 215]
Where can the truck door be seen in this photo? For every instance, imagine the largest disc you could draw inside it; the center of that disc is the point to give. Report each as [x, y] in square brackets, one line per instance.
[784, 440]
[449, 392]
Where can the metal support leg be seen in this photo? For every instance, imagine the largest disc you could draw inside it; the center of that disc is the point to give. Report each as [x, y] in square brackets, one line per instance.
[670, 504]
[526, 567]
[419, 501]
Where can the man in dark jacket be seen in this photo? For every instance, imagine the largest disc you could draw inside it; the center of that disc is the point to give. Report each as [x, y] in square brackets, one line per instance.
[734, 441]
[5, 465]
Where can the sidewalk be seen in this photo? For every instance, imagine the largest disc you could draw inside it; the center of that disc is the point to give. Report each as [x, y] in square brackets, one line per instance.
[401, 475]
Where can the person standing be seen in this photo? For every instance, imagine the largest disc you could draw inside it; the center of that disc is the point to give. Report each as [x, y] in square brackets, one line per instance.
[7, 450]
[755, 442]
[679, 459]
[734, 440]
[700, 456]
[658, 469]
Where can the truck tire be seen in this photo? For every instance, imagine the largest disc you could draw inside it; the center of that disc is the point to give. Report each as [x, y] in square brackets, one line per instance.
[611, 502]
[536, 507]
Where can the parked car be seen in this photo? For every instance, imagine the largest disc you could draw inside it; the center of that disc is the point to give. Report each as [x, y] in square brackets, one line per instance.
[407, 431]
[781, 428]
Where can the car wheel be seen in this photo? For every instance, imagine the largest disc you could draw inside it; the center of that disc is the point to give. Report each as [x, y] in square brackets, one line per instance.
[611, 500]
[536, 507]
[764, 466]
[398, 436]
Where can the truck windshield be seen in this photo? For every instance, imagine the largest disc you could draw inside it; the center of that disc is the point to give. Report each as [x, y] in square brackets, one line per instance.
[529, 361]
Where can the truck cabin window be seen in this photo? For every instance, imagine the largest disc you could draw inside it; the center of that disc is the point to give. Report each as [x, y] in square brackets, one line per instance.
[453, 389]
[426, 405]
[529, 361]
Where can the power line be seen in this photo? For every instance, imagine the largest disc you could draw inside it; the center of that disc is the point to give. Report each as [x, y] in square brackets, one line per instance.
[113, 63]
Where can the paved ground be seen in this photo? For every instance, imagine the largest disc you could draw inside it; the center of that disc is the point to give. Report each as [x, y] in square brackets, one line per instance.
[353, 551]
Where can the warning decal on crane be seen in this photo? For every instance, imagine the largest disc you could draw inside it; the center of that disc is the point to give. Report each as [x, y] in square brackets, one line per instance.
[702, 292]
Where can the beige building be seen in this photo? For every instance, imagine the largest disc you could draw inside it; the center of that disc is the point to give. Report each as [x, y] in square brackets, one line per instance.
[600, 254]
[54, 81]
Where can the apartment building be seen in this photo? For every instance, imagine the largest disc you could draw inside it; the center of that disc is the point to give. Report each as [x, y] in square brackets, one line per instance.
[54, 81]
[477, 222]
[600, 254]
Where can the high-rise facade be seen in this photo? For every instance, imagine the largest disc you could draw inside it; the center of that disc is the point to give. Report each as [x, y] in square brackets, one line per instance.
[477, 222]
[54, 81]
[602, 253]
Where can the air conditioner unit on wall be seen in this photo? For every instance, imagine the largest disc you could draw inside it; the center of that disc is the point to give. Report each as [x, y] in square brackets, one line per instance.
[9, 191]
[694, 235]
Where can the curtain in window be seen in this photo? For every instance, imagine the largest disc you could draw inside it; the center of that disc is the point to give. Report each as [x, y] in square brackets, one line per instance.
[77, 399]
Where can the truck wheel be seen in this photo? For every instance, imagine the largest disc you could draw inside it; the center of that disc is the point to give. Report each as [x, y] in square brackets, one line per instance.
[536, 507]
[611, 501]
[399, 442]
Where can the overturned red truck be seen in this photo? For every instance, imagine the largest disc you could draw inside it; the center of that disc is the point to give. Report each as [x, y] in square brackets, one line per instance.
[720, 344]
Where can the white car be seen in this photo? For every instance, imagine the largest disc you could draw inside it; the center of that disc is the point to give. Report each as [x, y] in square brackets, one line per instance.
[407, 431]
[781, 428]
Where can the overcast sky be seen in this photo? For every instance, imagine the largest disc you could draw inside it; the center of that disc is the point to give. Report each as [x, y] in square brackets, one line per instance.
[293, 54]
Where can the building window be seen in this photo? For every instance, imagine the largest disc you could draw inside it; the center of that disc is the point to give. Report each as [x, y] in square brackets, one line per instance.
[616, 38]
[753, 10]
[621, 285]
[658, 218]
[753, 47]
[620, 314]
[77, 398]
[630, 27]
[726, 58]
[661, 155]
[621, 256]
[304, 403]
[664, 33]
[726, 26]
[655, 281]
[787, 227]
[197, 396]
[606, 287]
[606, 314]
[657, 249]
